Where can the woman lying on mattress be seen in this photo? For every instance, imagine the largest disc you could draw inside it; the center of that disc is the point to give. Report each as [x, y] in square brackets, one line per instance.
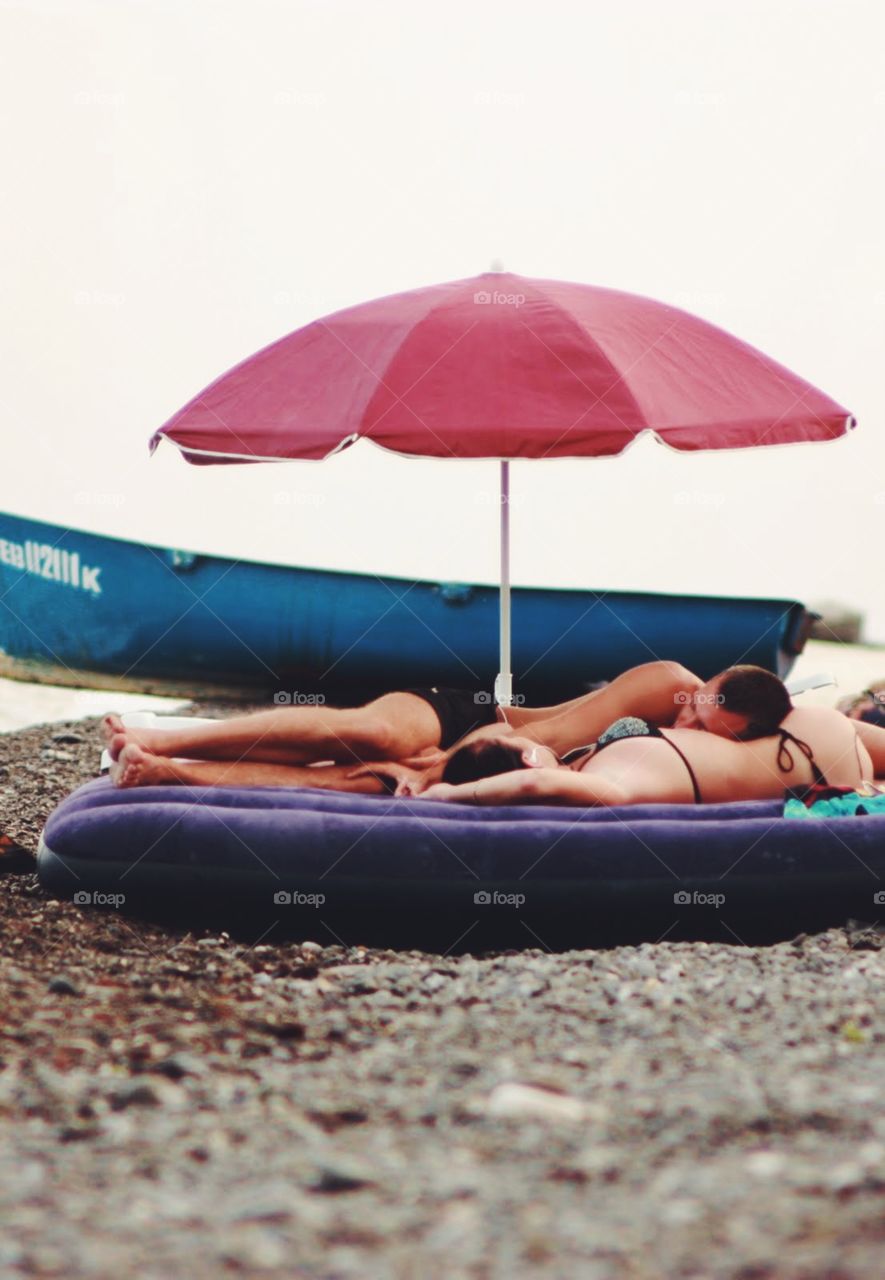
[739, 710]
[634, 762]
[414, 727]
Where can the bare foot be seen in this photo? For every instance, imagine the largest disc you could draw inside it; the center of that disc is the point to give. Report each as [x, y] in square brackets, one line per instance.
[111, 725]
[116, 734]
[136, 767]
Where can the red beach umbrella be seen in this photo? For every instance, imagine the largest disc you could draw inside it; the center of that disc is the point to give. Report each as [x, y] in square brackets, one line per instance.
[501, 366]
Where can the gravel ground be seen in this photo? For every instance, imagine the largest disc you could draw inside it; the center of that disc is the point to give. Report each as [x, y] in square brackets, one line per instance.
[180, 1105]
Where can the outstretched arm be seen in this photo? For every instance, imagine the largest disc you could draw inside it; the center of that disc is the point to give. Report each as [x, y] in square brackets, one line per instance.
[655, 691]
[533, 786]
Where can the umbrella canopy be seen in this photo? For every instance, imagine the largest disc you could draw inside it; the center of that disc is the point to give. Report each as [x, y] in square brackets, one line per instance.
[500, 366]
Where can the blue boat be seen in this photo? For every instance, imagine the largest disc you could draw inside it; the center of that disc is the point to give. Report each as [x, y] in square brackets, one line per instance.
[80, 608]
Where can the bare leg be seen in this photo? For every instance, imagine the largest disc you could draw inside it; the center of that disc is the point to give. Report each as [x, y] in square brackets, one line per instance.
[653, 691]
[136, 767]
[392, 727]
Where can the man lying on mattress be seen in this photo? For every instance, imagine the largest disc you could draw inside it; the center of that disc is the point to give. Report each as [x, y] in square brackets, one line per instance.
[736, 737]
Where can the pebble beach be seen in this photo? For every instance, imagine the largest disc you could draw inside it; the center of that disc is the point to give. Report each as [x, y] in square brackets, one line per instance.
[188, 1104]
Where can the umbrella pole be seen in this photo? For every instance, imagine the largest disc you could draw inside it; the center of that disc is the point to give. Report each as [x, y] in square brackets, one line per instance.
[504, 681]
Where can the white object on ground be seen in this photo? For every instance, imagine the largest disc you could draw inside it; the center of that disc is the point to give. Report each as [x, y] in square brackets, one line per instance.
[526, 1101]
[23, 704]
[804, 683]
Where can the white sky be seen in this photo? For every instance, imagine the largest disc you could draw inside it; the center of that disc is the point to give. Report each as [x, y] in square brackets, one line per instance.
[184, 182]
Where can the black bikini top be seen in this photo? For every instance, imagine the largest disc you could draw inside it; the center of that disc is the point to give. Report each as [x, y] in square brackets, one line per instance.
[633, 727]
[785, 761]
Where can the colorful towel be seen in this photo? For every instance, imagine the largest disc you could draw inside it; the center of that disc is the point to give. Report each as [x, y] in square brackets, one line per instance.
[835, 802]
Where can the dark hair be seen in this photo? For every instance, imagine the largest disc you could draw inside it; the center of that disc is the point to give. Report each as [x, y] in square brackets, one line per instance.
[757, 694]
[482, 759]
[876, 713]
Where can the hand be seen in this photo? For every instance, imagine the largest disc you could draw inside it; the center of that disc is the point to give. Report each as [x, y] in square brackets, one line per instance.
[405, 778]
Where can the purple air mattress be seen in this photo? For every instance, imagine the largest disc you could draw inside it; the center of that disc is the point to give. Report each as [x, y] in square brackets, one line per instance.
[386, 871]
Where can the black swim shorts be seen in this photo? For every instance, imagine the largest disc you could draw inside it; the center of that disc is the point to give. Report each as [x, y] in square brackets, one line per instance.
[458, 710]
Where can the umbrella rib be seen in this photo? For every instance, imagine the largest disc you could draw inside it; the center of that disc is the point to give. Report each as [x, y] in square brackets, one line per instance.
[423, 375]
[381, 380]
[602, 398]
[618, 376]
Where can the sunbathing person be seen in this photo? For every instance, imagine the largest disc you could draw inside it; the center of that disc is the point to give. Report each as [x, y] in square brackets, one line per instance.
[744, 701]
[868, 706]
[637, 763]
[415, 723]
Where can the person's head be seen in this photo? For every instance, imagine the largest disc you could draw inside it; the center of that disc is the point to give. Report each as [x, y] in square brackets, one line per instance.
[488, 756]
[868, 706]
[742, 702]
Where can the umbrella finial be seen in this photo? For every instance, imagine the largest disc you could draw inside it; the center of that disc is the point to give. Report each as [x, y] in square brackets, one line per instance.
[497, 266]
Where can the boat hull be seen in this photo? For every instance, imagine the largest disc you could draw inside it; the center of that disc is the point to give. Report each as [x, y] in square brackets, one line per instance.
[82, 608]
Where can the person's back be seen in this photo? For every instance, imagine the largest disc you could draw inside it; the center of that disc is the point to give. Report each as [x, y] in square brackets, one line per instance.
[835, 743]
[647, 768]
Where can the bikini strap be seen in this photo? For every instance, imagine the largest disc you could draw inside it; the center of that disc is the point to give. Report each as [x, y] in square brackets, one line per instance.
[785, 761]
[698, 798]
